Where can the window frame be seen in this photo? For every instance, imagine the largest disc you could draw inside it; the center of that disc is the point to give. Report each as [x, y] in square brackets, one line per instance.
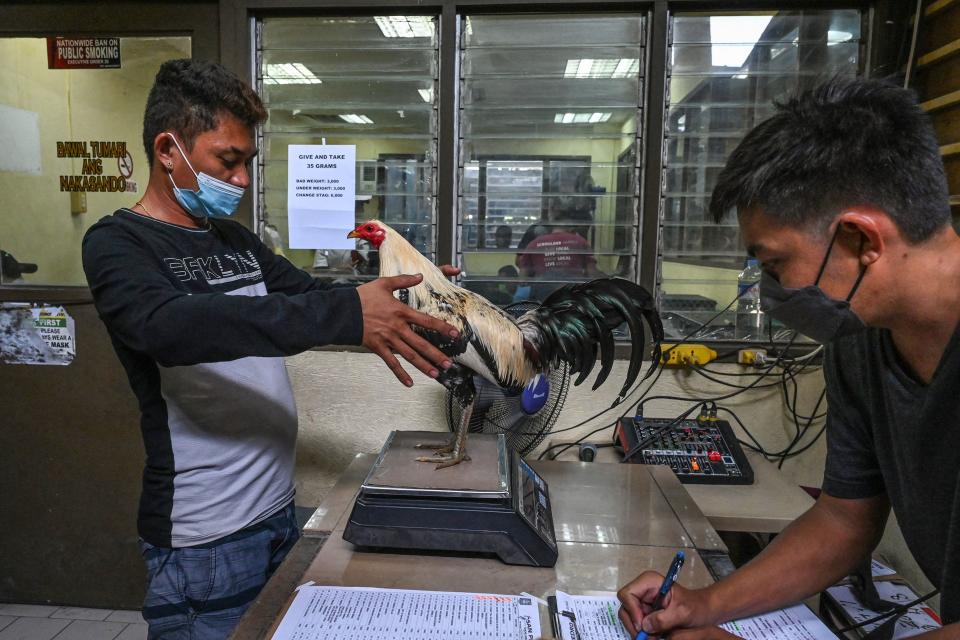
[240, 17]
[123, 19]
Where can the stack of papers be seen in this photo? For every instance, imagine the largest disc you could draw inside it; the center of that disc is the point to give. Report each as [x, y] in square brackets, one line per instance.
[355, 613]
[352, 613]
[596, 619]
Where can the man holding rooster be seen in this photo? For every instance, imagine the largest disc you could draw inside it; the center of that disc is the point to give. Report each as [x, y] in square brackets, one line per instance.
[201, 313]
[843, 198]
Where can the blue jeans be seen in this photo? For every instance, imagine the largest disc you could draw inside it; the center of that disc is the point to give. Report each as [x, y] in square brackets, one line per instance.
[200, 592]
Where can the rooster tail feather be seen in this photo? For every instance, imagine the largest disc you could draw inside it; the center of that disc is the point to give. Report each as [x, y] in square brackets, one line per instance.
[607, 355]
[576, 319]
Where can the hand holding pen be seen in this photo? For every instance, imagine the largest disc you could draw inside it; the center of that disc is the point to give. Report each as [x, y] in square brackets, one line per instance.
[664, 590]
[653, 602]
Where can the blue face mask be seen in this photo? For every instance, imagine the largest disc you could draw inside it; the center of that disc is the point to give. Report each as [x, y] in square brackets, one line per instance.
[213, 198]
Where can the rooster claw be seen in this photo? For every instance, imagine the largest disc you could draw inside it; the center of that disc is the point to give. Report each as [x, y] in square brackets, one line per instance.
[437, 447]
[444, 462]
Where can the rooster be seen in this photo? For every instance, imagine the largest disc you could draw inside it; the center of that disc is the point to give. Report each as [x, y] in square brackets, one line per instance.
[511, 353]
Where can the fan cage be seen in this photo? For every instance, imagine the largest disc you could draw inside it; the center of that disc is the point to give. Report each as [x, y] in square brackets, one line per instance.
[525, 434]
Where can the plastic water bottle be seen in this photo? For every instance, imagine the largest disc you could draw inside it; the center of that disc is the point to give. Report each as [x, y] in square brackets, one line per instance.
[749, 315]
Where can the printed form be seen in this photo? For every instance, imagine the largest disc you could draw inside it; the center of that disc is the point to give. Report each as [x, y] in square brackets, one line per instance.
[594, 618]
[355, 613]
[793, 623]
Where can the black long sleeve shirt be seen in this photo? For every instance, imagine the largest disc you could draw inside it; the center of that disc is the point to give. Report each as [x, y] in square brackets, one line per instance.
[200, 319]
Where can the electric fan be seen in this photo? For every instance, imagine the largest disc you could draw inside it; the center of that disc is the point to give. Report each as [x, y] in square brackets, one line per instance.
[526, 418]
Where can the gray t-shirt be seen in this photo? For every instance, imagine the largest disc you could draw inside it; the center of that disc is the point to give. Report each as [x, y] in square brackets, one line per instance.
[889, 433]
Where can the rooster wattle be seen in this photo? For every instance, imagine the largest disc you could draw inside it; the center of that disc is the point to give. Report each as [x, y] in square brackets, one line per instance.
[570, 325]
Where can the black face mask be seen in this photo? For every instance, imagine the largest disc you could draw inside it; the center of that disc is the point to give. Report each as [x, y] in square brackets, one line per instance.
[809, 310]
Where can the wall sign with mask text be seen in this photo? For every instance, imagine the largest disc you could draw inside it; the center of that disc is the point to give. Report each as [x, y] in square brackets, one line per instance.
[36, 334]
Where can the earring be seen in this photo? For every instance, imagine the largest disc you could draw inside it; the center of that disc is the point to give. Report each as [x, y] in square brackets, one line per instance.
[170, 165]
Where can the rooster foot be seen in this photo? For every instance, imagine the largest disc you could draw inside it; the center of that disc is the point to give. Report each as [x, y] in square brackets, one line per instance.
[446, 461]
[440, 448]
[455, 451]
[446, 455]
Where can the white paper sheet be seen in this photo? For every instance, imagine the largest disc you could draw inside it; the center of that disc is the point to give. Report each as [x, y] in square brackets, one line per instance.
[20, 141]
[878, 569]
[353, 613]
[794, 623]
[919, 619]
[321, 195]
[596, 617]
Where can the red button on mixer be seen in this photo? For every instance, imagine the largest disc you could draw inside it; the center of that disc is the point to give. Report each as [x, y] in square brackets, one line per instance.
[714, 456]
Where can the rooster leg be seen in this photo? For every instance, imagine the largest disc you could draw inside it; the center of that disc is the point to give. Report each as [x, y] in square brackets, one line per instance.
[457, 448]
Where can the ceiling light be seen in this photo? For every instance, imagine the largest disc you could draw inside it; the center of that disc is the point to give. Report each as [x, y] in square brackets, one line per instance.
[602, 68]
[838, 37]
[405, 26]
[581, 118]
[289, 73]
[354, 118]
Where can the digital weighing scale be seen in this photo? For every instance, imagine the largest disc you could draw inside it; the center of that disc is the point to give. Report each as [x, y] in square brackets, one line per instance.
[493, 503]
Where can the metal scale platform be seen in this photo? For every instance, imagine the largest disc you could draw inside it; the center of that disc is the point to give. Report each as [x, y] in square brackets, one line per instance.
[495, 503]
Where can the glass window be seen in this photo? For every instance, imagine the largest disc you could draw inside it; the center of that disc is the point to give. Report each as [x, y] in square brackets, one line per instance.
[72, 146]
[365, 81]
[549, 150]
[725, 71]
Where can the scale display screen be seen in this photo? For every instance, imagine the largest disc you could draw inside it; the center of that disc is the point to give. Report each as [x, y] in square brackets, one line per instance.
[533, 500]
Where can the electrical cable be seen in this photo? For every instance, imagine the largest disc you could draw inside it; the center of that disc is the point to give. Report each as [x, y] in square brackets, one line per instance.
[664, 354]
[786, 452]
[701, 372]
[788, 375]
[605, 426]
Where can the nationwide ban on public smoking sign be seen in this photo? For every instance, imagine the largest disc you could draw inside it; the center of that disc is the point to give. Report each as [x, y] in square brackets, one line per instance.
[321, 195]
[32, 334]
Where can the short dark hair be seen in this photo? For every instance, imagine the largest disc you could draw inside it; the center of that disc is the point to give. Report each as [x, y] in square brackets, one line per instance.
[846, 142]
[188, 97]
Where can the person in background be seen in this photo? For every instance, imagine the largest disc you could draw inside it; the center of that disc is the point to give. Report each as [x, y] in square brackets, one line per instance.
[842, 196]
[562, 254]
[502, 293]
[201, 314]
[503, 237]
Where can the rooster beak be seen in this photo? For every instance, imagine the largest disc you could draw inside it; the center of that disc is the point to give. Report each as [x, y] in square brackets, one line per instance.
[353, 234]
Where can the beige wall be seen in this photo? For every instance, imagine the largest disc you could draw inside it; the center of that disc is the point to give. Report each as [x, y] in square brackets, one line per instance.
[349, 402]
[83, 104]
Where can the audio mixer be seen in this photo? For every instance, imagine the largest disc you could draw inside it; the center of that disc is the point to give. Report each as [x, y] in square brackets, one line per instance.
[701, 451]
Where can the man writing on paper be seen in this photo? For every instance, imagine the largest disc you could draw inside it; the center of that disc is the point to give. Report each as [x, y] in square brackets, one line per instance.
[201, 313]
[842, 196]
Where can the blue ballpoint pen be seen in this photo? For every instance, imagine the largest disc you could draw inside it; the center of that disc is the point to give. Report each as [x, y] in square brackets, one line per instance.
[668, 581]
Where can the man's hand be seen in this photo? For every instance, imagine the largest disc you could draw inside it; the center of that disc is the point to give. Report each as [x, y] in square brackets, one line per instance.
[449, 270]
[386, 328]
[680, 608]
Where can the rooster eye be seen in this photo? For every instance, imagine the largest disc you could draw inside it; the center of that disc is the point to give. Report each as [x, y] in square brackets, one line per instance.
[369, 227]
